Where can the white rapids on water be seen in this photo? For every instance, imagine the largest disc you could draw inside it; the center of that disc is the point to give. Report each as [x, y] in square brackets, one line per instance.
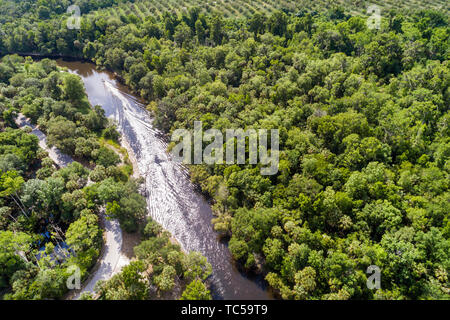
[171, 198]
[168, 201]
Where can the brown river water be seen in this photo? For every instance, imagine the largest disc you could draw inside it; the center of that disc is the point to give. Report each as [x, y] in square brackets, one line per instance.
[171, 198]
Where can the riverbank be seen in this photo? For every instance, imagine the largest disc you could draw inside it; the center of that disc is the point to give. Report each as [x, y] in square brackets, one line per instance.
[131, 157]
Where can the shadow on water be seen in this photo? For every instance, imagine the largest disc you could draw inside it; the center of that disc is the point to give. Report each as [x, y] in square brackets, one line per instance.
[172, 199]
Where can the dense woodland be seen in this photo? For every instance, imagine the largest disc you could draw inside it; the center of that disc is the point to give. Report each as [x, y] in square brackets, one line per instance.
[364, 133]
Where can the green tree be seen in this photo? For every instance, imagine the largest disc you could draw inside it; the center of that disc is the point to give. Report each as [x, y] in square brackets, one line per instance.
[13, 250]
[196, 266]
[196, 290]
[60, 133]
[73, 87]
[166, 280]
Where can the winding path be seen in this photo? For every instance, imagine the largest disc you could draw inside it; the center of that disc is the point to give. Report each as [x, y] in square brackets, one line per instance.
[61, 159]
[112, 259]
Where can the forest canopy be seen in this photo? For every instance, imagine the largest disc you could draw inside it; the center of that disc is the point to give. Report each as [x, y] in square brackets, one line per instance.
[363, 116]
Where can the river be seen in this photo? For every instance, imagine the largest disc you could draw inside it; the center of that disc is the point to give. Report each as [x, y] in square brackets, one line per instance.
[171, 198]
